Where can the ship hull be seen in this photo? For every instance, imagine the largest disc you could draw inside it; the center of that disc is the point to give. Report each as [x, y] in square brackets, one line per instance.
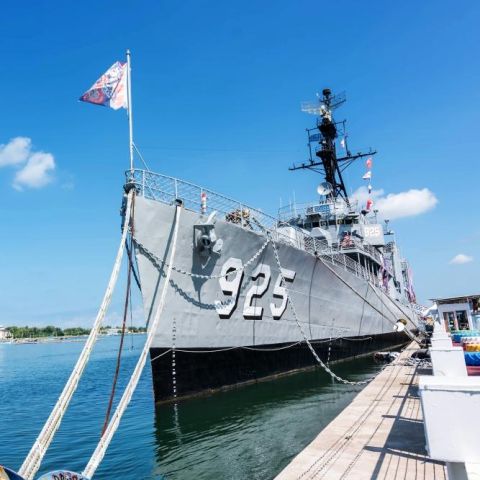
[203, 371]
[232, 320]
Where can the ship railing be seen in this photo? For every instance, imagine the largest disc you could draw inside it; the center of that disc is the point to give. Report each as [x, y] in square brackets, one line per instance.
[370, 250]
[165, 189]
[336, 257]
[327, 208]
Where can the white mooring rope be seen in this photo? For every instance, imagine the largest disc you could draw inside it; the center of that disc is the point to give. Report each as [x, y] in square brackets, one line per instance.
[102, 446]
[35, 456]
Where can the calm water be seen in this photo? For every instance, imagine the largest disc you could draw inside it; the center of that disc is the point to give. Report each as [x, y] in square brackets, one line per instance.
[247, 433]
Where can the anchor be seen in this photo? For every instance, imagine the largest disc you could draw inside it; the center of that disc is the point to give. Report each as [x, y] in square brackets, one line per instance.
[205, 238]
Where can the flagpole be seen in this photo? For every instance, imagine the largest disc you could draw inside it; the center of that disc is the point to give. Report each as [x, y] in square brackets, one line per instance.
[130, 113]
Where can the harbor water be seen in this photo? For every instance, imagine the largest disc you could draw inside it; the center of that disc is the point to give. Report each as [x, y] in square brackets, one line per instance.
[245, 433]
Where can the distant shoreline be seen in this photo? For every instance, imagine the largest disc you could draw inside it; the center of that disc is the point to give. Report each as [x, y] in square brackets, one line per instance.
[60, 339]
[50, 333]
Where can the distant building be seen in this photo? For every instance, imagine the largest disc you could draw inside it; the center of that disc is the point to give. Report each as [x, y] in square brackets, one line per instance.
[113, 331]
[459, 313]
[4, 334]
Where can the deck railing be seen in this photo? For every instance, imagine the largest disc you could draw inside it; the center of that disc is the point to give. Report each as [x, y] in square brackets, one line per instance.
[167, 189]
[327, 208]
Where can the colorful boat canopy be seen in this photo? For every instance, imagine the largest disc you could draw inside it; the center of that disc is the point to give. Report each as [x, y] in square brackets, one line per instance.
[110, 90]
[63, 475]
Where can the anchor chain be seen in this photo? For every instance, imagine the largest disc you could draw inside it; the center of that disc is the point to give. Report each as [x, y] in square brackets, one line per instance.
[158, 262]
[307, 341]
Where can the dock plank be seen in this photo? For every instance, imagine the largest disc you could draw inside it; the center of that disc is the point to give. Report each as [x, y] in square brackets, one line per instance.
[378, 436]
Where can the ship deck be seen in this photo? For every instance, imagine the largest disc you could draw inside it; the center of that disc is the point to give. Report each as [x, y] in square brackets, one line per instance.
[379, 435]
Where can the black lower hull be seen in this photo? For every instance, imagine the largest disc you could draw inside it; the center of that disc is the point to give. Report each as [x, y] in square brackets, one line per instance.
[202, 370]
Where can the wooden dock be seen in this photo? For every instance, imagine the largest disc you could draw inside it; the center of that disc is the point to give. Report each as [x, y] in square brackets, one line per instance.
[378, 436]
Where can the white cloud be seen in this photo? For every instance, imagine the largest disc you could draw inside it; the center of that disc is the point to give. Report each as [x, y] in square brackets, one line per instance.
[398, 205]
[34, 169]
[460, 259]
[16, 151]
[361, 195]
[36, 173]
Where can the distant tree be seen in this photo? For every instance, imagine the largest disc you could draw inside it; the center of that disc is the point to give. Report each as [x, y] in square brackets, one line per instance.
[48, 331]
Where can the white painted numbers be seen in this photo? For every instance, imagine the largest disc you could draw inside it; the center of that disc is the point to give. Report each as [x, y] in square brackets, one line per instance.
[372, 231]
[260, 278]
[281, 292]
[230, 286]
[262, 271]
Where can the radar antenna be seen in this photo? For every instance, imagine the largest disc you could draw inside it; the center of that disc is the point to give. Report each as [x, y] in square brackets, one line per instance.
[326, 132]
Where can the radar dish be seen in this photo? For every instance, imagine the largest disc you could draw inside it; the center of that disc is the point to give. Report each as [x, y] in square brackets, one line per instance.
[324, 188]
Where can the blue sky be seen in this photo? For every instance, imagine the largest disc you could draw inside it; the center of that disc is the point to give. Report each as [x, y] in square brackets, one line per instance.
[217, 88]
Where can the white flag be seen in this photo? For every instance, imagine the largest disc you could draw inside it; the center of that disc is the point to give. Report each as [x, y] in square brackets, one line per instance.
[368, 175]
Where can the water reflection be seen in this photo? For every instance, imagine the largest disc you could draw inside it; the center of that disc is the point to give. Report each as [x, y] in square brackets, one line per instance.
[249, 432]
[253, 431]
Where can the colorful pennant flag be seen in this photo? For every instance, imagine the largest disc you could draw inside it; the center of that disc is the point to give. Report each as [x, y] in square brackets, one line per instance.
[110, 90]
[369, 163]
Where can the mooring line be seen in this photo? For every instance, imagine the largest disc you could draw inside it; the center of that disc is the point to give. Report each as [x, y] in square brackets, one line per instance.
[34, 458]
[104, 442]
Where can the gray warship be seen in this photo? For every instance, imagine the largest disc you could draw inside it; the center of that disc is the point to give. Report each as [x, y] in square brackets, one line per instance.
[248, 291]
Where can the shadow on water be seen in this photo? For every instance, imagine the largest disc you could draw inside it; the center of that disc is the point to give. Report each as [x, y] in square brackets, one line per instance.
[252, 431]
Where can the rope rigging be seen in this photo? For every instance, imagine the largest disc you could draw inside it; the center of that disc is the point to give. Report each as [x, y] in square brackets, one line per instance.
[34, 458]
[114, 422]
[128, 302]
[134, 270]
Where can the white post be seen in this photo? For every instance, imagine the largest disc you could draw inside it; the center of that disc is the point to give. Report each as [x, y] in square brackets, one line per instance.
[130, 113]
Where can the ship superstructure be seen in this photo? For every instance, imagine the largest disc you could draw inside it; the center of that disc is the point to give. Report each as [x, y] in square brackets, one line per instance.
[342, 223]
[237, 272]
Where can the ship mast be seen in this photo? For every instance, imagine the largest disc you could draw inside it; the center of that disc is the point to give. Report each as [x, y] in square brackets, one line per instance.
[327, 163]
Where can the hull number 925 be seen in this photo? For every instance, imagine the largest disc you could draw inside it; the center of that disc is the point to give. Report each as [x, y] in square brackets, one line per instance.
[260, 279]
